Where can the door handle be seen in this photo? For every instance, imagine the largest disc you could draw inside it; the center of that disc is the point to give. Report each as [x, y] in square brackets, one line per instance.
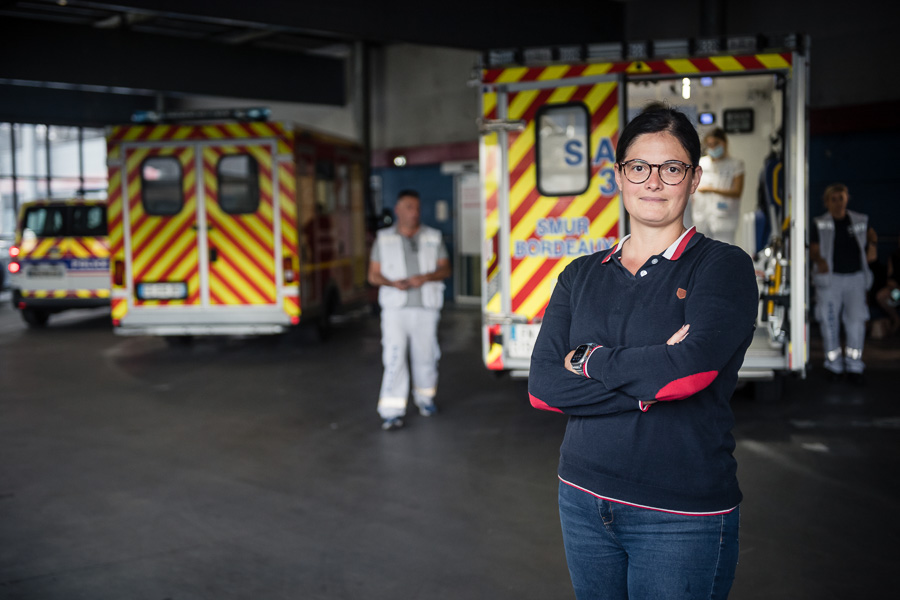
[213, 255]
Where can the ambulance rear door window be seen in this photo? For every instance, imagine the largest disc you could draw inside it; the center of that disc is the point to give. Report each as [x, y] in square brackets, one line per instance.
[89, 220]
[162, 191]
[238, 176]
[562, 149]
[45, 221]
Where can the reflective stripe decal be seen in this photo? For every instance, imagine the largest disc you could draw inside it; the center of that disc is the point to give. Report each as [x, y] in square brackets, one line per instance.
[712, 64]
[392, 402]
[538, 258]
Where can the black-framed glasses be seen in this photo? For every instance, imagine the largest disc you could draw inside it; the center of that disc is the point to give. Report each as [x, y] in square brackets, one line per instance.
[671, 172]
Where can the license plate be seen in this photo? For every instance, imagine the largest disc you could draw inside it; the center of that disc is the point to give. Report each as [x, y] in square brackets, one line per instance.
[162, 291]
[521, 340]
[46, 271]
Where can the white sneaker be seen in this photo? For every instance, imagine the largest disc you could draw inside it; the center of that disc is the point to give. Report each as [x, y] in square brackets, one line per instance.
[392, 424]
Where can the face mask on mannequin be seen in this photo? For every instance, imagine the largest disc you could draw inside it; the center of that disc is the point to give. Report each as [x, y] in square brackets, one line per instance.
[717, 152]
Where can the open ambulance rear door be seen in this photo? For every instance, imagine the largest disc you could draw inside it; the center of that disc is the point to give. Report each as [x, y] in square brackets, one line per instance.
[549, 193]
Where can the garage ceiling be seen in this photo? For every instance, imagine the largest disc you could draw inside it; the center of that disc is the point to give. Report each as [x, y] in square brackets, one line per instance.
[56, 51]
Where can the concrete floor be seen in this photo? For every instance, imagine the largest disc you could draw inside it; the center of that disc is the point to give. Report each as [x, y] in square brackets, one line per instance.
[255, 468]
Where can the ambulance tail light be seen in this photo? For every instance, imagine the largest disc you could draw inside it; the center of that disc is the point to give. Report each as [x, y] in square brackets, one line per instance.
[495, 334]
[118, 273]
[290, 273]
[14, 251]
[14, 267]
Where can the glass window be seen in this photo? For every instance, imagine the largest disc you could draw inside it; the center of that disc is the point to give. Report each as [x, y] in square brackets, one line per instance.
[89, 220]
[6, 149]
[94, 152]
[45, 221]
[7, 207]
[161, 187]
[65, 159]
[31, 188]
[343, 186]
[31, 149]
[65, 187]
[238, 184]
[563, 149]
[325, 192]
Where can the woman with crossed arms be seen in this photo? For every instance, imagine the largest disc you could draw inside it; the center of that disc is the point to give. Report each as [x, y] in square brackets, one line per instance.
[640, 347]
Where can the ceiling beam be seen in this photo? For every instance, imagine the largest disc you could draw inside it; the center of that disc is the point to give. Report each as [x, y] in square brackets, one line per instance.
[27, 104]
[467, 24]
[50, 52]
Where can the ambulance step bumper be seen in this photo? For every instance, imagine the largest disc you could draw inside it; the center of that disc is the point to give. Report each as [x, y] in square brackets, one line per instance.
[204, 329]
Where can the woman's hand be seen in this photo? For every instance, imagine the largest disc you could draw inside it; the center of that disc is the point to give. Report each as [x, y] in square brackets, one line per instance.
[678, 336]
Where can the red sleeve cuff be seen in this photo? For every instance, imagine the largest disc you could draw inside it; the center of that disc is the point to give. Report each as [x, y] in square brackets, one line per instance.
[541, 405]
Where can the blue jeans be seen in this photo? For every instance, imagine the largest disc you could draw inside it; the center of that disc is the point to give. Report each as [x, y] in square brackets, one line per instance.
[617, 552]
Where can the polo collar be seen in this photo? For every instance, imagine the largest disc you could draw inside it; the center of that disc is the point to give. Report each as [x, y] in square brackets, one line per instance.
[678, 247]
[673, 252]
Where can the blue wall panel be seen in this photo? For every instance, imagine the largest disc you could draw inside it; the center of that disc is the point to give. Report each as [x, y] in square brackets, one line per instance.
[868, 163]
[432, 186]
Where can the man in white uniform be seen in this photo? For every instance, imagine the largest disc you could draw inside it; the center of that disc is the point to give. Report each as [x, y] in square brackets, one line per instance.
[409, 264]
[840, 251]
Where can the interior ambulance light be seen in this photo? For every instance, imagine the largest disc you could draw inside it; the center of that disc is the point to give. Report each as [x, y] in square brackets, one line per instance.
[686, 88]
[400, 161]
[706, 81]
[707, 118]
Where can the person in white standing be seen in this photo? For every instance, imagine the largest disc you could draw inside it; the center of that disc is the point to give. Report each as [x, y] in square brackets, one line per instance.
[840, 251]
[409, 264]
[716, 205]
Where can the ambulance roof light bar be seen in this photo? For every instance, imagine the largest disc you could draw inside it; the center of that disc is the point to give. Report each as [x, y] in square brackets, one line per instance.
[256, 113]
[605, 52]
[646, 50]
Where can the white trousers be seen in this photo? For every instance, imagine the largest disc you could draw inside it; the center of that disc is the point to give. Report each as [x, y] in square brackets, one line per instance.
[842, 298]
[408, 337]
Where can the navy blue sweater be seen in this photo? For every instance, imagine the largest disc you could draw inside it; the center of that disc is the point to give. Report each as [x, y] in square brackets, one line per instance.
[675, 454]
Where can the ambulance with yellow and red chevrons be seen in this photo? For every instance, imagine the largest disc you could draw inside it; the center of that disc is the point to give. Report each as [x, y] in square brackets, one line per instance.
[59, 258]
[232, 228]
[550, 120]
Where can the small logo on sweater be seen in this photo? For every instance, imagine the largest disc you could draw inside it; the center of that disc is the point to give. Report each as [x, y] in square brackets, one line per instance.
[681, 293]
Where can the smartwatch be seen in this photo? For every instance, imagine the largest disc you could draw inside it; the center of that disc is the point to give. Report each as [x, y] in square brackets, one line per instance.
[580, 357]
